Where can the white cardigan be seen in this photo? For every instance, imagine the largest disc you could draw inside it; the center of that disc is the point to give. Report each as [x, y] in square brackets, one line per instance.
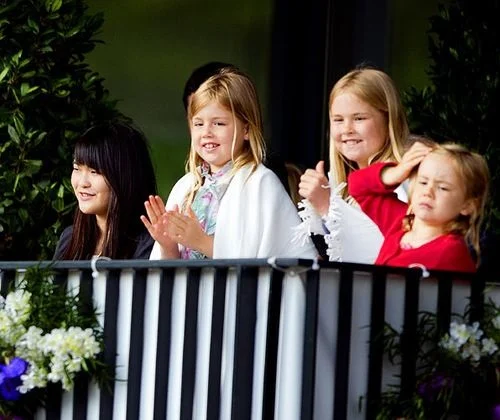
[255, 220]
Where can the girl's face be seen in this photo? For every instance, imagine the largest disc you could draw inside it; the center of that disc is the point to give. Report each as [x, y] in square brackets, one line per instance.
[92, 191]
[212, 131]
[358, 130]
[438, 195]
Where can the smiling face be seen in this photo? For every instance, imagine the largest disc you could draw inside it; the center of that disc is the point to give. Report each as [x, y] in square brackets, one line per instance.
[438, 195]
[358, 130]
[92, 191]
[213, 130]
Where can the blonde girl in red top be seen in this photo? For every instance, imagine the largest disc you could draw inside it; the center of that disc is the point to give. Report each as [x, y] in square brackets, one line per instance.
[445, 210]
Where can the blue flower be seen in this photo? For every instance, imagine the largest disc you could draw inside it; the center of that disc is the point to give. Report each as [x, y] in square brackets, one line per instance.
[10, 378]
[430, 388]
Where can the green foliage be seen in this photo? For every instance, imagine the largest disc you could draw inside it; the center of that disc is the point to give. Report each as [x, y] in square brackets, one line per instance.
[48, 95]
[463, 101]
[54, 306]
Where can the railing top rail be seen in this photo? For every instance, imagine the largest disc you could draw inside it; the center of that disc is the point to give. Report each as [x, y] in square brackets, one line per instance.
[279, 263]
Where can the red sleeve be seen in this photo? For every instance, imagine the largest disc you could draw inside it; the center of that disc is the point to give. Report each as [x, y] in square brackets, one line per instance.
[377, 200]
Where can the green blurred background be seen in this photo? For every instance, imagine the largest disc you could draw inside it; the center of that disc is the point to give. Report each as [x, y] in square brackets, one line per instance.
[151, 46]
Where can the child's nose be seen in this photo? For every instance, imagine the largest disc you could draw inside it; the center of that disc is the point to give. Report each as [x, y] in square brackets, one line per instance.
[207, 130]
[348, 126]
[429, 190]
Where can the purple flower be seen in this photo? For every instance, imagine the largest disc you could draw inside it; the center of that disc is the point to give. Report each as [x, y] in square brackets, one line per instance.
[495, 413]
[10, 378]
[430, 388]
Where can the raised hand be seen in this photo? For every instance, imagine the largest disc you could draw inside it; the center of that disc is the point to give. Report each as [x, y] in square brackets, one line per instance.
[394, 175]
[314, 187]
[156, 223]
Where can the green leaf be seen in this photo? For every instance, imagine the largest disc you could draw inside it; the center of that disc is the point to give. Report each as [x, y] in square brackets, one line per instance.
[26, 89]
[28, 74]
[53, 5]
[4, 73]
[32, 166]
[13, 134]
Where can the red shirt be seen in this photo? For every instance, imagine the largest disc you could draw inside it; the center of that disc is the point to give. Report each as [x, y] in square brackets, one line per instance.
[380, 203]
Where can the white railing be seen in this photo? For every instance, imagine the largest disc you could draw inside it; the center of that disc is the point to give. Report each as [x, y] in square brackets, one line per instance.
[246, 339]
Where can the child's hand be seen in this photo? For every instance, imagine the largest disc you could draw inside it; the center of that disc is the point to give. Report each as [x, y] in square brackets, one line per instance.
[156, 224]
[395, 175]
[314, 186]
[187, 230]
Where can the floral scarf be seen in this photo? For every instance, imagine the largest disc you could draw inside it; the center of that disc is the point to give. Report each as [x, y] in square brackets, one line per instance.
[207, 200]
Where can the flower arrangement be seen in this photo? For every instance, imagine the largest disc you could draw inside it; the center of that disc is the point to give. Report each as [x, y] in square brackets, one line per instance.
[458, 372]
[47, 335]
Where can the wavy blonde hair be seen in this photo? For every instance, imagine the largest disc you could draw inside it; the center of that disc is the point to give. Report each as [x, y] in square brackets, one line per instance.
[235, 91]
[378, 90]
[474, 173]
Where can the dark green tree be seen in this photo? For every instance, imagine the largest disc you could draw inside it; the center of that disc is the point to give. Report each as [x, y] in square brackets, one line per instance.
[48, 95]
[463, 101]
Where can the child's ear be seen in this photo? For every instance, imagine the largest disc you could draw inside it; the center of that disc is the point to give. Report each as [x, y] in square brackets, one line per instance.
[468, 207]
[245, 136]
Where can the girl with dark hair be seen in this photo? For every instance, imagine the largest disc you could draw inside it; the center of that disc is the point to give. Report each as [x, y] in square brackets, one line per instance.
[112, 177]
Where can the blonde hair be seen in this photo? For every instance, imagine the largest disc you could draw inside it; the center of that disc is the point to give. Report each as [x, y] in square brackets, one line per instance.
[473, 171]
[235, 91]
[378, 90]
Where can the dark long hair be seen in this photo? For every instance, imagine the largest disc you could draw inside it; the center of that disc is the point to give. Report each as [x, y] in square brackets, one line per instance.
[120, 152]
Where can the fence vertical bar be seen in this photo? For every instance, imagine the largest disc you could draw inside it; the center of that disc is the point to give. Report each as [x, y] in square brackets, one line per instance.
[189, 351]
[309, 355]
[344, 322]
[216, 339]
[110, 340]
[136, 344]
[272, 342]
[167, 277]
[244, 343]
[54, 391]
[409, 340]
[81, 388]
[376, 352]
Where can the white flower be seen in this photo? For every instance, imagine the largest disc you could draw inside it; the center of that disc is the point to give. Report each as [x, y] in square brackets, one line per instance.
[459, 333]
[496, 322]
[17, 305]
[489, 346]
[471, 352]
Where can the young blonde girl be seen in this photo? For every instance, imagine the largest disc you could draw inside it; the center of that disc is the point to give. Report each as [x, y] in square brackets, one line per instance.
[367, 125]
[228, 205]
[447, 198]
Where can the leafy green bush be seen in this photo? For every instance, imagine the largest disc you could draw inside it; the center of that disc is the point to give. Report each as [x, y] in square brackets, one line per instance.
[463, 101]
[48, 95]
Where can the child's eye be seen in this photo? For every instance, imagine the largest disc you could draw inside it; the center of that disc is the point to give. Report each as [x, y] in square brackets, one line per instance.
[359, 118]
[220, 123]
[422, 182]
[197, 124]
[337, 120]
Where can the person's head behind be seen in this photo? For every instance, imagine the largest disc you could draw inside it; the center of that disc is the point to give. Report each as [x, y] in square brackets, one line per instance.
[450, 188]
[235, 93]
[199, 75]
[294, 173]
[120, 153]
[365, 107]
